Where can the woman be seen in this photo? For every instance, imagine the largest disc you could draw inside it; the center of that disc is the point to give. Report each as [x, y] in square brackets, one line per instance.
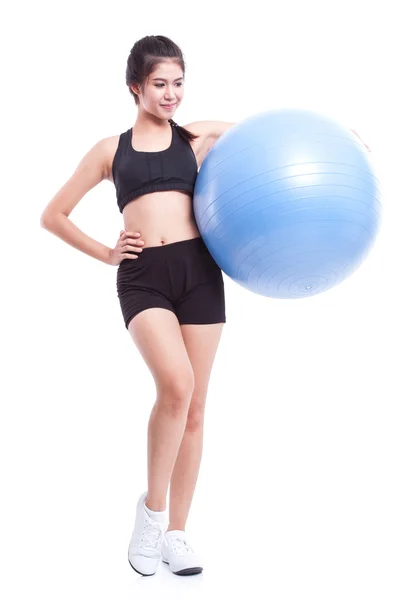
[170, 289]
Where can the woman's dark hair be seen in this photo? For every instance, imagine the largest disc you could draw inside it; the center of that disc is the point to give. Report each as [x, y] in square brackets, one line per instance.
[144, 57]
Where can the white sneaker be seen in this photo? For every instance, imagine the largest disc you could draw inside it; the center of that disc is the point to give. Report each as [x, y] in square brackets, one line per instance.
[177, 552]
[144, 553]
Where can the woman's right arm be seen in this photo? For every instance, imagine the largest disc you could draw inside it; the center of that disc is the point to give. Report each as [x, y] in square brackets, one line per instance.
[91, 170]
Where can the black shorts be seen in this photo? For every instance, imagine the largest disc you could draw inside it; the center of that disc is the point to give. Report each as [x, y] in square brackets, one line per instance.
[182, 277]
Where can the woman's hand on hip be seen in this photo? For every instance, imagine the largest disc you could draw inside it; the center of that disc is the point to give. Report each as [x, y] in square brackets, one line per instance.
[127, 240]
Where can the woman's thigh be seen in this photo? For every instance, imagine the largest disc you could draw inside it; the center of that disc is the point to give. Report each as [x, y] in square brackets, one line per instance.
[201, 343]
[158, 337]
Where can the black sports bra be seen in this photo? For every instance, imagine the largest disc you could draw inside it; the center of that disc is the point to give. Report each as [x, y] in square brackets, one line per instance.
[136, 173]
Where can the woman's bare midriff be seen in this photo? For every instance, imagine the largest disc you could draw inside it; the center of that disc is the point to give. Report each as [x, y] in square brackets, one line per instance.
[161, 217]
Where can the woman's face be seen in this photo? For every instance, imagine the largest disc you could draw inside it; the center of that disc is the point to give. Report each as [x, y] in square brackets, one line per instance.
[164, 86]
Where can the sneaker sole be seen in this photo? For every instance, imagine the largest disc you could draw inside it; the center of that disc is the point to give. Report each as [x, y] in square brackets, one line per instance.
[144, 574]
[190, 571]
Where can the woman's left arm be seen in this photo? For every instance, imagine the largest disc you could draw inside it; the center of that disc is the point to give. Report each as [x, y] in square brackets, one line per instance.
[217, 128]
[214, 129]
[211, 130]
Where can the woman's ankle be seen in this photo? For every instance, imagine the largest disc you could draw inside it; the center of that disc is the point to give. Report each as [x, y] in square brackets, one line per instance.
[156, 505]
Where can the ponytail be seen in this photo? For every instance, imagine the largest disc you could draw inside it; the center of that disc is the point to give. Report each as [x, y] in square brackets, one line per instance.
[184, 133]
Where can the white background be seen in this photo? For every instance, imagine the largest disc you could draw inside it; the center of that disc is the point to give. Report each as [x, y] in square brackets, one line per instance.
[298, 491]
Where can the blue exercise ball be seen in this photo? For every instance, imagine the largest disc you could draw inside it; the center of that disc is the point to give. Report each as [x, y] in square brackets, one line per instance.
[287, 203]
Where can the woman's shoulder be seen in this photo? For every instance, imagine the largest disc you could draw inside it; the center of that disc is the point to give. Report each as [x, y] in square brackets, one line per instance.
[109, 146]
[209, 130]
[198, 128]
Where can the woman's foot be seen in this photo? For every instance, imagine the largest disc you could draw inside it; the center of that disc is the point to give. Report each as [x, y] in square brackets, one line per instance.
[178, 553]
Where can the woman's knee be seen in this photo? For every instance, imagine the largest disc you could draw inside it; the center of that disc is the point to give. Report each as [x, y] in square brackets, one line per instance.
[175, 389]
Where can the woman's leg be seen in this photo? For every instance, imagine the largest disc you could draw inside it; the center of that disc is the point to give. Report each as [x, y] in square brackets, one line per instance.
[158, 337]
[201, 343]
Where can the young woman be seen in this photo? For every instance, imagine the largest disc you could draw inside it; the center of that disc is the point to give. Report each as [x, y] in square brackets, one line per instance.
[170, 289]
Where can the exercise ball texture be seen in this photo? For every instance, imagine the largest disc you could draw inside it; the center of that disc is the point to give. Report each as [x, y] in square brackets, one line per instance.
[287, 203]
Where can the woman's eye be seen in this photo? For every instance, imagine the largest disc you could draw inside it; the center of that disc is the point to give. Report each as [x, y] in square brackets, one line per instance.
[161, 84]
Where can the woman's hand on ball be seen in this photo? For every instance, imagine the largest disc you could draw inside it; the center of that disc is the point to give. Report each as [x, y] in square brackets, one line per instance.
[127, 241]
[355, 133]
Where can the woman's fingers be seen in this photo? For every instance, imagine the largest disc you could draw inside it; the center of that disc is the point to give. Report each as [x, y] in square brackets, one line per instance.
[129, 237]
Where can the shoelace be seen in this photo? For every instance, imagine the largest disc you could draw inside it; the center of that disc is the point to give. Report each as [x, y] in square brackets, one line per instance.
[151, 534]
[180, 546]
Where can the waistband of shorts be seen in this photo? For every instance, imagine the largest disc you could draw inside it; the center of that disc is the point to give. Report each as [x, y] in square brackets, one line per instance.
[173, 250]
